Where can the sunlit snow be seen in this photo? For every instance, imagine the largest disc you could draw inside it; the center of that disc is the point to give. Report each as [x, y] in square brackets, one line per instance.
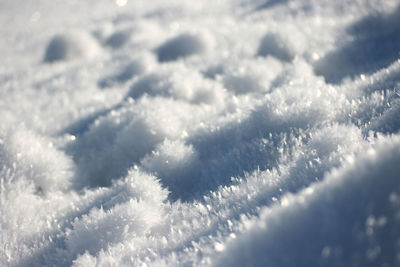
[200, 133]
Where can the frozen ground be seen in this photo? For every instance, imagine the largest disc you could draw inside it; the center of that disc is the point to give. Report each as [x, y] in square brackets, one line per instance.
[200, 133]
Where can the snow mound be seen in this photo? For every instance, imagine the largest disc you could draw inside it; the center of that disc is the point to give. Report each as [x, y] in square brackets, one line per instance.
[181, 46]
[119, 39]
[329, 231]
[134, 68]
[136, 209]
[274, 45]
[375, 45]
[175, 164]
[74, 45]
[252, 76]
[179, 83]
[27, 156]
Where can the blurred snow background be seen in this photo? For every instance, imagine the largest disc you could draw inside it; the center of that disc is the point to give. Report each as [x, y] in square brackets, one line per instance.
[208, 133]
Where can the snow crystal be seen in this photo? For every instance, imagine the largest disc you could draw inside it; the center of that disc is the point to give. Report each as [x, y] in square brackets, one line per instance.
[35, 158]
[175, 164]
[133, 211]
[248, 77]
[325, 213]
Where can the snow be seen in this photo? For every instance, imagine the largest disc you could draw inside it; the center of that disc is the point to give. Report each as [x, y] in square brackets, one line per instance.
[71, 46]
[118, 39]
[274, 45]
[209, 133]
[181, 46]
[343, 220]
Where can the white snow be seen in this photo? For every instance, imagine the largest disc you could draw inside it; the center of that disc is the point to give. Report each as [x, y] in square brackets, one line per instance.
[200, 133]
[274, 45]
[71, 46]
[118, 39]
[181, 46]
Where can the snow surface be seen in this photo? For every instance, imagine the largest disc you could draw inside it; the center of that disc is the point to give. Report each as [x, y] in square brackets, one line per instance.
[200, 133]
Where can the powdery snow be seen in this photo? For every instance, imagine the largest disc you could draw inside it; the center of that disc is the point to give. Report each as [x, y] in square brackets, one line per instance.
[208, 133]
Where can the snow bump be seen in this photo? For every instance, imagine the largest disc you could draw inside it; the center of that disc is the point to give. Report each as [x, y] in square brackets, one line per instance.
[181, 46]
[75, 45]
[119, 39]
[274, 45]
